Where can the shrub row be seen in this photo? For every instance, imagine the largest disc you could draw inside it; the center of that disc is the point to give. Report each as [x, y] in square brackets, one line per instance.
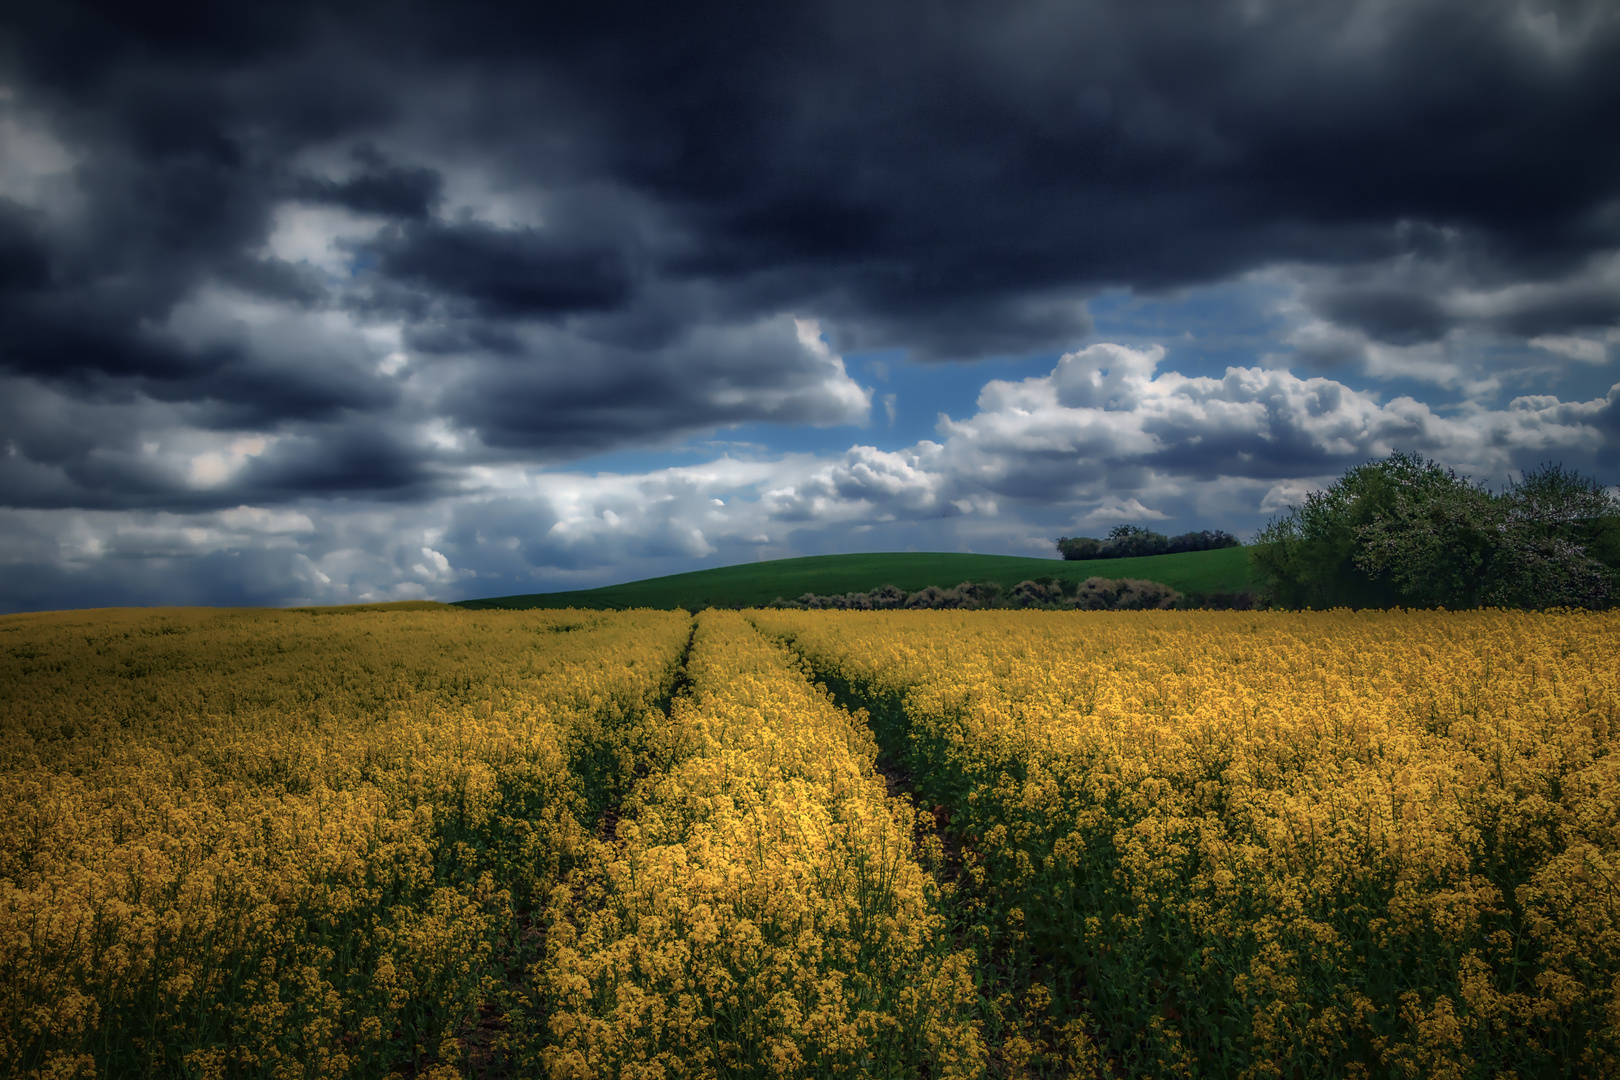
[1092, 594]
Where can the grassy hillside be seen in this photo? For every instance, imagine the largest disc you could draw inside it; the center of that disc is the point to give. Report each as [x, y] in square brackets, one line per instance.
[756, 584]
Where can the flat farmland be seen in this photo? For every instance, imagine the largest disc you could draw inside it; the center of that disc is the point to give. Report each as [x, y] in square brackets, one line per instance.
[443, 842]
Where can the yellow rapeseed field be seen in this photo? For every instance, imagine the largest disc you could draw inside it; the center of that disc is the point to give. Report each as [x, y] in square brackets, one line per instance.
[1271, 845]
[289, 844]
[396, 842]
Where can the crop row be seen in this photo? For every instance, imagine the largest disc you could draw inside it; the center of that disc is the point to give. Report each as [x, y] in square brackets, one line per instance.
[759, 912]
[1233, 844]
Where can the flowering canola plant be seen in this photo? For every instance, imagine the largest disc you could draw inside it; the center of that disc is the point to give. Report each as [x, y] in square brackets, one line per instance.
[1267, 844]
[290, 844]
[759, 912]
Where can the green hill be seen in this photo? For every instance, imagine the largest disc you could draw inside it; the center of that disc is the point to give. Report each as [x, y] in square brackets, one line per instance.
[757, 584]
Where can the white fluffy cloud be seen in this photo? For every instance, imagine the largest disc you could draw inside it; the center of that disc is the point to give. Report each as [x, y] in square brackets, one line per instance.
[1107, 406]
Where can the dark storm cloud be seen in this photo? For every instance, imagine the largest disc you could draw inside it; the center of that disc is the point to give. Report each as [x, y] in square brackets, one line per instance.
[355, 459]
[937, 161]
[379, 187]
[1423, 294]
[62, 451]
[24, 256]
[573, 395]
[911, 161]
[563, 230]
[1579, 305]
[1388, 314]
[505, 272]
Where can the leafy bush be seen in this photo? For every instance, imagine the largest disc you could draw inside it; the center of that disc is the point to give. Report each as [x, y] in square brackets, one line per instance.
[1203, 540]
[1405, 531]
[883, 598]
[1042, 593]
[966, 595]
[1124, 594]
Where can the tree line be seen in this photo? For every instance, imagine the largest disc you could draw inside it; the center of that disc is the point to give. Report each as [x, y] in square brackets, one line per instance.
[1129, 541]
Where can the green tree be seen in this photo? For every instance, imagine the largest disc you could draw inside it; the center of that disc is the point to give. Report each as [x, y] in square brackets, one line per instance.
[1434, 537]
[1560, 541]
[1079, 548]
[1307, 557]
[1406, 531]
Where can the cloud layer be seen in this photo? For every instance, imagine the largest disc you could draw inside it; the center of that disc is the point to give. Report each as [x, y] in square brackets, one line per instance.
[395, 274]
[1103, 438]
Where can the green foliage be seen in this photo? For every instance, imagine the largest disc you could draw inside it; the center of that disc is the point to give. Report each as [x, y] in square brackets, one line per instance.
[1079, 548]
[1405, 531]
[1430, 534]
[1560, 539]
[1133, 541]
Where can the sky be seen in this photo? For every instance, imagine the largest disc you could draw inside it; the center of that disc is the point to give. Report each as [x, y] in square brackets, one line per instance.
[318, 303]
